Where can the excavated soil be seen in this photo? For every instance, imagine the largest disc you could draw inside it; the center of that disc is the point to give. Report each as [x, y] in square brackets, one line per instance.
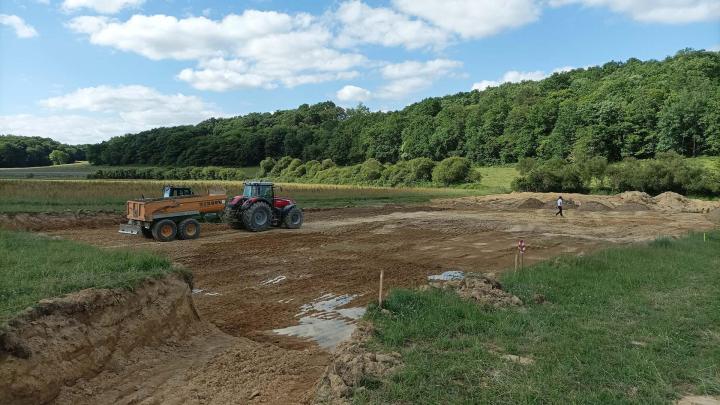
[310, 284]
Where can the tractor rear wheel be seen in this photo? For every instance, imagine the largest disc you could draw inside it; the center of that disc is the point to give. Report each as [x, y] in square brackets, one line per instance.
[257, 218]
[294, 218]
[189, 229]
[164, 230]
[146, 232]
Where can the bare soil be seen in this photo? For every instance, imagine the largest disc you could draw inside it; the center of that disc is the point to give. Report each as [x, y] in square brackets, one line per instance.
[254, 283]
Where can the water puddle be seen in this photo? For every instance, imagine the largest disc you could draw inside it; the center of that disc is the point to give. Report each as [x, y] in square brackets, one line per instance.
[322, 321]
[448, 276]
[274, 280]
[198, 291]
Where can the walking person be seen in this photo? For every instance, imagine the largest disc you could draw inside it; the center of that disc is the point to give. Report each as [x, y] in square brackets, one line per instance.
[559, 206]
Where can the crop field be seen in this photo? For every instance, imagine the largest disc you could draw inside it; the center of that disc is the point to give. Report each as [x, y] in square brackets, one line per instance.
[110, 195]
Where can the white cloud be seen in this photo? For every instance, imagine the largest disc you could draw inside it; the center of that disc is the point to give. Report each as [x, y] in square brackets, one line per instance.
[472, 18]
[659, 11]
[98, 113]
[353, 93]
[100, 6]
[412, 76]
[514, 76]
[254, 49]
[361, 23]
[22, 29]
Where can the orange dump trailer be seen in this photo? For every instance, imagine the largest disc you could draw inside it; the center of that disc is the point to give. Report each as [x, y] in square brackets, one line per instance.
[175, 216]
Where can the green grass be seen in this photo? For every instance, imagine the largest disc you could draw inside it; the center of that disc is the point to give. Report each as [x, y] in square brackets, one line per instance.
[111, 195]
[638, 324]
[36, 267]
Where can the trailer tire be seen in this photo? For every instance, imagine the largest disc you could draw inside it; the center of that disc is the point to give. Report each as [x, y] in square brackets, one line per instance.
[258, 217]
[146, 232]
[293, 218]
[189, 229]
[164, 230]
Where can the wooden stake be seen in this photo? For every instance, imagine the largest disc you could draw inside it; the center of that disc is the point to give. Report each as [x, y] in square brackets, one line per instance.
[522, 260]
[380, 294]
[516, 260]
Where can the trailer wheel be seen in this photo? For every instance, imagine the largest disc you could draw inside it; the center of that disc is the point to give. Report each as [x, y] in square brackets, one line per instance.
[294, 218]
[257, 218]
[189, 229]
[147, 233]
[164, 230]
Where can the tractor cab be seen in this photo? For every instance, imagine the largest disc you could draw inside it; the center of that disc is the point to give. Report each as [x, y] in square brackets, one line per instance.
[259, 189]
[171, 191]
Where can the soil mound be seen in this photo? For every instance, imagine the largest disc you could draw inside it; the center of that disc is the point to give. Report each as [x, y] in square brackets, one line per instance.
[632, 206]
[59, 220]
[714, 215]
[636, 197]
[594, 206]
[481, 288]
[61, 340]
[531, 203]
[351, 364]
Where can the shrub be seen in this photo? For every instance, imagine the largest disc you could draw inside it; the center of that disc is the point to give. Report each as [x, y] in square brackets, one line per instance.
[289, 171]
[281, 165]
[451, 171]
[266, 166]
[421, 169]
[371, 169]
[327, 163]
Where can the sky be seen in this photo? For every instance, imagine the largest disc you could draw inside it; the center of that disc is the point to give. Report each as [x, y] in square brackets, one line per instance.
[83, 71]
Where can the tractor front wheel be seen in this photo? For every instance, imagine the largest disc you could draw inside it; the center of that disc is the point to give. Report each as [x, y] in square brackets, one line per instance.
[164, 230]
[294, 218]
[189, 229]
[257, 218]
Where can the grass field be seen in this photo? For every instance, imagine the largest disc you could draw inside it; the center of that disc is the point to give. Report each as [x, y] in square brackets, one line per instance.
[110, 195]
[36, 267]
[78, 170]
[639, 324]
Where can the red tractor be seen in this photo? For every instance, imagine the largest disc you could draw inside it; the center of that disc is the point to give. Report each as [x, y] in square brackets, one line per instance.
[258, 208]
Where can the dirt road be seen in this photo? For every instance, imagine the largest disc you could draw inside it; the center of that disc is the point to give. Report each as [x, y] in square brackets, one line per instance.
[282, 298]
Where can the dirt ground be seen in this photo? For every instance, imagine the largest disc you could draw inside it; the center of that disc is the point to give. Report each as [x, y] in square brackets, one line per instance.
[312, 282]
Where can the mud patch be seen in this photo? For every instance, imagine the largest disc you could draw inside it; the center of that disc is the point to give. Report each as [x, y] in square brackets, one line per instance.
[352, 364]
[61, 340]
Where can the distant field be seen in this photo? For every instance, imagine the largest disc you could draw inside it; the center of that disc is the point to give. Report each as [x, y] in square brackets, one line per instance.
[78, 170]
[33, 195]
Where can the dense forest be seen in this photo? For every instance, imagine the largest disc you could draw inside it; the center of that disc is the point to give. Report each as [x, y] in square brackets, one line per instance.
[617, 110]
[25, 151]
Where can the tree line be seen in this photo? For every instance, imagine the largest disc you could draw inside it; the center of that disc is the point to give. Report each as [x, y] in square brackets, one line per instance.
[26, 151]
[631, 109]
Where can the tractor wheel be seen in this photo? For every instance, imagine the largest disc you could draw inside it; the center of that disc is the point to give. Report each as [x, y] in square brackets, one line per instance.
[294, 218]
[231, 218]
[189, 229]
[164, 230]
[147, 233]
[257, 218]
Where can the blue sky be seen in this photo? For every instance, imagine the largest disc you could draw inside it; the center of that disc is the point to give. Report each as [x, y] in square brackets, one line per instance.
[82, 71]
